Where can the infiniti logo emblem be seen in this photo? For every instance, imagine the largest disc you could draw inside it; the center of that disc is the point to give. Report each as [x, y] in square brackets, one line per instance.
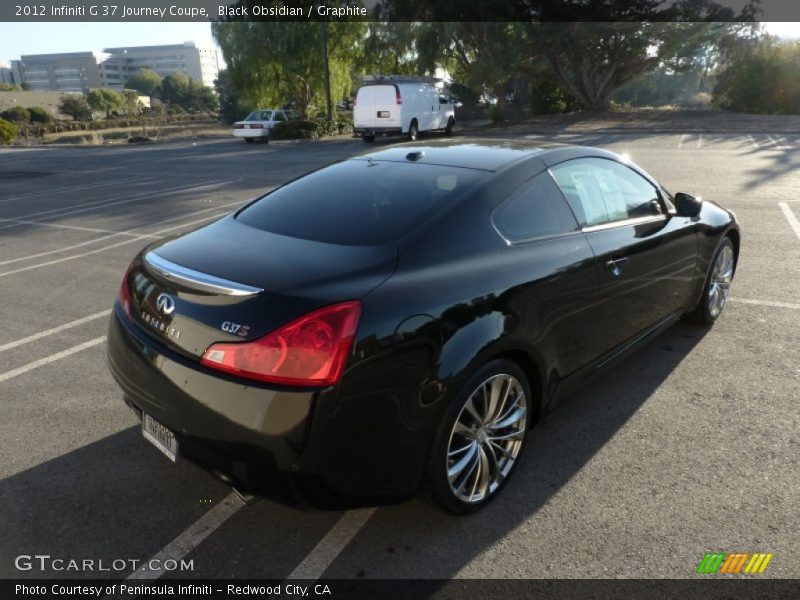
[165, 303]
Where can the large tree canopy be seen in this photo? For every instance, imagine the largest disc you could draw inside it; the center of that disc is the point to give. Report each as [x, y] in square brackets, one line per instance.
[279, 63]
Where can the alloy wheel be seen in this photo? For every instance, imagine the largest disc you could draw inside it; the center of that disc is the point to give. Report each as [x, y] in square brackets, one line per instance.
[720, 284]
[486, 438]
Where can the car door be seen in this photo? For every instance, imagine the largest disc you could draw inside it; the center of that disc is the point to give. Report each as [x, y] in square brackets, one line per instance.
[549, 256]
[644, 256]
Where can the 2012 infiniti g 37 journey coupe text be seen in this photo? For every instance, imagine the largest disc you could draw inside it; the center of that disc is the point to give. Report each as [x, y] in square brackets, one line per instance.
[397, 321]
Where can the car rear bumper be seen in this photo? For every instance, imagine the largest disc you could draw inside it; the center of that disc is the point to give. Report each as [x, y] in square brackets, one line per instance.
[251, 133]
[378, 130]
[246, 431]
[262, 427]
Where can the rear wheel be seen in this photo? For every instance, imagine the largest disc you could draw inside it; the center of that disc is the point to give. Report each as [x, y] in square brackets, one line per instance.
[479, 440]
[413, 131]
[248, 140]
[368, 139]
[717, 287]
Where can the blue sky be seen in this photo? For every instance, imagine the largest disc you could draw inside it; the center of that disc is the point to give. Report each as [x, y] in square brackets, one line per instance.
[40, 38]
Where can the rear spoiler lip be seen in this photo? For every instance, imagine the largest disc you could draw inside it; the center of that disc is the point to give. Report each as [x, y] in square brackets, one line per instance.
[195, 279]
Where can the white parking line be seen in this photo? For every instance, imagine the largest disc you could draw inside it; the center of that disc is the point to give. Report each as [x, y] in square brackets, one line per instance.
[329, 547]
[699, 140]
[61, 226]
[128, 232]
[75, 188]
[54, 330]
[99, 204]
[781, 143]
[752, 140]
[790, 216]
[772, 303]
[683, 139]
[49, 359]
[192, 537]
[110, 246]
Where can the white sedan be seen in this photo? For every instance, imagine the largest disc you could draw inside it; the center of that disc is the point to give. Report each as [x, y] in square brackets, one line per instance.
[259, 123]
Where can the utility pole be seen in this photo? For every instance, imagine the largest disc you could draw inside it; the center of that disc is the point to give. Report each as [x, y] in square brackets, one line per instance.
[327, 69]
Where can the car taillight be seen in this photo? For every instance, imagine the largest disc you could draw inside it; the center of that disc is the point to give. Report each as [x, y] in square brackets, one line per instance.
[256, 126]
[309, 351]
[238, 126]
[125, 293]
[397, 97]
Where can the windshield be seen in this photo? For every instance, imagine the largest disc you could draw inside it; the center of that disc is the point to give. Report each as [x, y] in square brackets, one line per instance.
[259, 115]
[359, 202]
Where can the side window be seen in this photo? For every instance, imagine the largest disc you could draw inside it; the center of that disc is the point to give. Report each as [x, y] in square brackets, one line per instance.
[602, 191]
[279, 116]
[535, 210]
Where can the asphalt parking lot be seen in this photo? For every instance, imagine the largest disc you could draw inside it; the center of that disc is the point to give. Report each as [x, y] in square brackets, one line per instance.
[691, 446]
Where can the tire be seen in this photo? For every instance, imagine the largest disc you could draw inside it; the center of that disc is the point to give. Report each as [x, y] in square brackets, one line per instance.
[449, 129]
[248, 140]
[461, 450]
[413, 131]
[368, 139]
[717, 285]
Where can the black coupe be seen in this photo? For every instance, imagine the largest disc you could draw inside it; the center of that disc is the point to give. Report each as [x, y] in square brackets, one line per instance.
[397, 321]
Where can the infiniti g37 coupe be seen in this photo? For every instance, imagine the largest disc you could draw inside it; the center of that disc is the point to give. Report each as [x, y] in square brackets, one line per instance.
[397, 321]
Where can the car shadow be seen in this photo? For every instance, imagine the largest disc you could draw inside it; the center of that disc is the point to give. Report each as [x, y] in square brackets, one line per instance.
[410, 540]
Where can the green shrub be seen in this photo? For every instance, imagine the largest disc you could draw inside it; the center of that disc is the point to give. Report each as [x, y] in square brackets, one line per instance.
[763, 77]
[294, 130]
[18, 114]
[40, 115]
[495, 114]
[310, 129]
[8, 131]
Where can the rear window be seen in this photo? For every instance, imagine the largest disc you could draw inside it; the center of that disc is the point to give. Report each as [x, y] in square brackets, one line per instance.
[359, 202]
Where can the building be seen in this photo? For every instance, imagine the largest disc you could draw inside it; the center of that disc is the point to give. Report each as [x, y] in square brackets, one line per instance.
[81, 71]
[201, 64]
[67, 72]
[6, 74]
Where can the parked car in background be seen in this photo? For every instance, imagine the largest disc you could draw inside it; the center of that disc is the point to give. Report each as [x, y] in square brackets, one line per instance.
[259, 123]
[401, 105]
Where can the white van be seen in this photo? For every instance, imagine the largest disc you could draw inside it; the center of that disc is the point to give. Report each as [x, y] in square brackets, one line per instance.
[397, 105]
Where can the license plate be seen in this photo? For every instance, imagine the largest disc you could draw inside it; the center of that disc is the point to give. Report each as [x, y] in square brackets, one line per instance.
[383, 114]
[161, 437]
[247, 126]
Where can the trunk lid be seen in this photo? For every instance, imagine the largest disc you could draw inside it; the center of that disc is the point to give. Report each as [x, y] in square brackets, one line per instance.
[230, 282]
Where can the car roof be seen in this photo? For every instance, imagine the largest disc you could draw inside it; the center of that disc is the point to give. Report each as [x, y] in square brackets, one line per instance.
[477, 153]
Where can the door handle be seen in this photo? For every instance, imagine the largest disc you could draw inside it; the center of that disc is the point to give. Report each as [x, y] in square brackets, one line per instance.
[615, 265]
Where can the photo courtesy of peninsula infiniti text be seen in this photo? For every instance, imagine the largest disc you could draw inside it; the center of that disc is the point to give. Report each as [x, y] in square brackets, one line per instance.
[397, 322]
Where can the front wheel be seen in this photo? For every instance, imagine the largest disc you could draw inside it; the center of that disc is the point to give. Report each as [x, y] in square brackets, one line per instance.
[717, 287]
[248, 140]
[449, 129]
[479, 440]
[368, 139]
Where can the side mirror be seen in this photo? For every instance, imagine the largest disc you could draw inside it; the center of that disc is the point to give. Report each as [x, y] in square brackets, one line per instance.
[687, 205]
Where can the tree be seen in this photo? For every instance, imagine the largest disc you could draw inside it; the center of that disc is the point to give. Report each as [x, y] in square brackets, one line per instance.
[174, 88]
[145, 81]
[231, 107]
[8, 131]
[131, 104]
[762, 76]
[594, 60]
[104, 100]
[280, 63]
[9, 87]
[75, 106]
